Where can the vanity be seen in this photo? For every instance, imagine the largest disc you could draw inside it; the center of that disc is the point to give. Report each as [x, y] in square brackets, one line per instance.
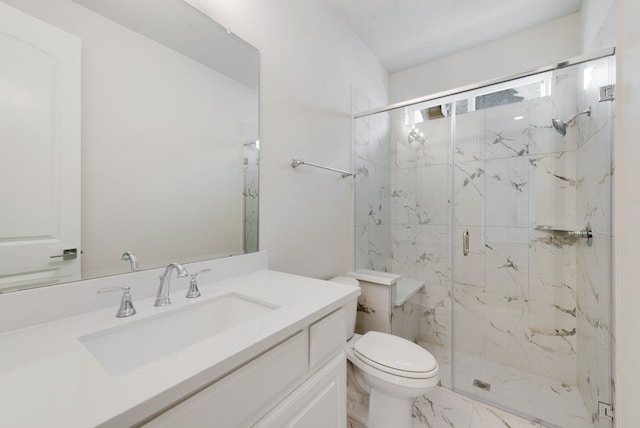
[265, 349]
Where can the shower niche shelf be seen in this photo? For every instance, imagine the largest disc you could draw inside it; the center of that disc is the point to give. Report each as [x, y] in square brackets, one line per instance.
[570, 231]
[556, 228]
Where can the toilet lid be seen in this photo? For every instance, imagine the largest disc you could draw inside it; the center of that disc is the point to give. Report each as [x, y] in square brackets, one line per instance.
[395, 355]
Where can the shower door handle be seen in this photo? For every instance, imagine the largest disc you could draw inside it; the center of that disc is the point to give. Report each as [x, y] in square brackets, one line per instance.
[465, 243]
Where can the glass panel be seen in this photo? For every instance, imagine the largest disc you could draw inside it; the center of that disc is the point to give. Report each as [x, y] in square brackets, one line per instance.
[421, 237]
[531, 302]
[373, 188]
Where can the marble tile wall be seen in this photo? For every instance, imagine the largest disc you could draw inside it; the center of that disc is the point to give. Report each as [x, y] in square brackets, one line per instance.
[514, 298]
[528, 295]
[373, 188]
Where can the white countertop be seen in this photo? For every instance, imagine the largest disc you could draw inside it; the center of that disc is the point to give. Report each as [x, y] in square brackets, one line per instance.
[48, 378]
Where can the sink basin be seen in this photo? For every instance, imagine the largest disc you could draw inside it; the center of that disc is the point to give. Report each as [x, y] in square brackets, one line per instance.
[127, 347]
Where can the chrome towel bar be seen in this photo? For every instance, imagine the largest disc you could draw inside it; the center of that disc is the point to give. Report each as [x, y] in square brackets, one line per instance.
[297, 162]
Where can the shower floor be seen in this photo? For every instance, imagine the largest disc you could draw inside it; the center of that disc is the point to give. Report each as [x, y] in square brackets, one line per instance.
[551, 401]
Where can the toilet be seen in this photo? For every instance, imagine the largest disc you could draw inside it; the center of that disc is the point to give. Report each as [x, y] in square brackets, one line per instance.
[392, 370]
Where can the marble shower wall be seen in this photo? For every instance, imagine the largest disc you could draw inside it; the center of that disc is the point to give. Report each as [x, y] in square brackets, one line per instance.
[528, 296]
[421, 232]
[373, 188]
[511, 182]
[595, 173]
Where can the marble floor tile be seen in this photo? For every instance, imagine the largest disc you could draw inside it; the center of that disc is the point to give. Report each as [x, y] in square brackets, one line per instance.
[442, 408]
[554, 403]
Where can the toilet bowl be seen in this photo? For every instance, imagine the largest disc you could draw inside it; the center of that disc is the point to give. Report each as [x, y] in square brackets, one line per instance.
[393, 370]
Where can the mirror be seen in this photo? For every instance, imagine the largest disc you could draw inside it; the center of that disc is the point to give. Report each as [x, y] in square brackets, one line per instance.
[132, 125]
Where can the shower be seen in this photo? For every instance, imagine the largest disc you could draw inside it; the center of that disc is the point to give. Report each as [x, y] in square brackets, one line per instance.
[488, 215]
[561, 125]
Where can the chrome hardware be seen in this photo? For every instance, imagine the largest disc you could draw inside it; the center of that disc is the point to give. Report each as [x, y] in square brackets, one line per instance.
[607, 93]
[561, 125]
[297, 162]
[605, 410]
[126, 305]
[193, 284]
[162, 299]
[68, 254]
[131, 257]
[465, 243]
[586, 233]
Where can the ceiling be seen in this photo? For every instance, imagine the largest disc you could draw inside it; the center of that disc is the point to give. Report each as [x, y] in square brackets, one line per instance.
[405, 33]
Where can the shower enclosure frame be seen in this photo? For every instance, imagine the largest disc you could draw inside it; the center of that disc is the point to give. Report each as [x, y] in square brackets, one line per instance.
[450, 94]
[466, 88]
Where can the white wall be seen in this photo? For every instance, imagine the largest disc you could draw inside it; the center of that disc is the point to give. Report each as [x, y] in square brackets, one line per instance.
[627, 209]
[598, 24]
[309, 61]
[544, 44]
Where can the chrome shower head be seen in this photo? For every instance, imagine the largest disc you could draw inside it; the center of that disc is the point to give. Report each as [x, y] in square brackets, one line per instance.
[561, 125]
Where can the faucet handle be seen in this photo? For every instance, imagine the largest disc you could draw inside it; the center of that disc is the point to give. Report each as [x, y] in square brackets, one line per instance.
[193, 284]
[126, 305]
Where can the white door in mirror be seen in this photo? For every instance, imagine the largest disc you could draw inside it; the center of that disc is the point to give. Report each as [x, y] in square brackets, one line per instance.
[40, 144]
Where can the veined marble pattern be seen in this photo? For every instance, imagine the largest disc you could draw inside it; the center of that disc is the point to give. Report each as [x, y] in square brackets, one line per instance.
[528, 299]
[507, 190]
[405, 319]
[432, 254]
[470, 136]
[560, 404]
[442, 408]
[469, 193]
[373, 250]
[403, 196]
[506, 136]
[373, 188]
[552, 186]
[432, 194]
[374, 308]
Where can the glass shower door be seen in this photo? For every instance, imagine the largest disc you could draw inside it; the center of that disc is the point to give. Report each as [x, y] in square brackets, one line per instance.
[530, 295]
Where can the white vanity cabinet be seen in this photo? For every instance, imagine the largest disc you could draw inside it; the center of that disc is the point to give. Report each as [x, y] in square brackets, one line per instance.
[300, 382]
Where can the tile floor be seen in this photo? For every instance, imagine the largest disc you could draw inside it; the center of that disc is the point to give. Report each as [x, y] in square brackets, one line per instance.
[554, 403]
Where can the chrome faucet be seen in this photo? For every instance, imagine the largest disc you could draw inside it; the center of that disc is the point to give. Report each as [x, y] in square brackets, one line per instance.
[131, 256]
[162, 299]
[126, 305]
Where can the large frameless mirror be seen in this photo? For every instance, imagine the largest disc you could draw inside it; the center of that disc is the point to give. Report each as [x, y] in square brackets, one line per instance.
[126, 126]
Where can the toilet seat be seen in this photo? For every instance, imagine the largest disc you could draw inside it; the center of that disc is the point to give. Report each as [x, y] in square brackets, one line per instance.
[395, 355]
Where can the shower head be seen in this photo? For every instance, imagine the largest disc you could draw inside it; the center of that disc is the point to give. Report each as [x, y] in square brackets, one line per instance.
[561, 125]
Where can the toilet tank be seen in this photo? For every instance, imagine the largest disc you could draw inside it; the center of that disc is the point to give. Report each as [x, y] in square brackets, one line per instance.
[351, 308]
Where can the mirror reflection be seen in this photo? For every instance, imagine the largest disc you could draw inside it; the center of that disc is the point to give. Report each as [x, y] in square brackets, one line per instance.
[129, 126]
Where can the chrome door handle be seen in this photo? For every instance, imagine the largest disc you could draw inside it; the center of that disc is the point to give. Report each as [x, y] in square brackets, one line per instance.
[465, 243]
[68, 254]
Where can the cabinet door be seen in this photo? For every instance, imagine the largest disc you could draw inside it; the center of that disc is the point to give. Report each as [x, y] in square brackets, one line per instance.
[246, 394]
[318, 403]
